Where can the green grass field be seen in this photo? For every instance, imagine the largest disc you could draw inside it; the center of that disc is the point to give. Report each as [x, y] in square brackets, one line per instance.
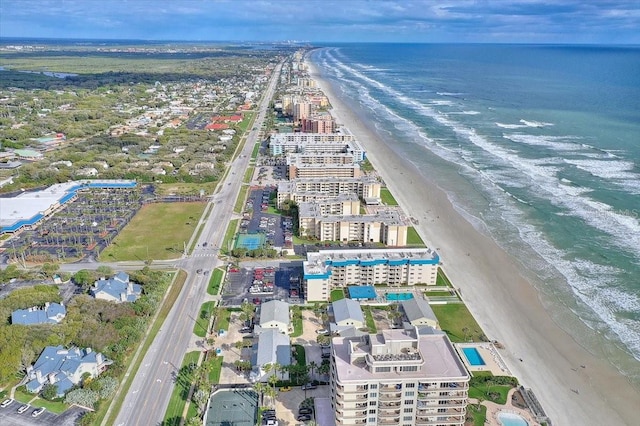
[442, 280]
[222, 321]
[216, 369]
[215, 282]
[413, 238]
[158, 231]
[227, 245]
[297, 327]
[456, 320]
[387, 197]
[336, 294]
[368, 318]
[180, 393]
[201, 326]
[242, 196]
[256, 151]
[181, 188]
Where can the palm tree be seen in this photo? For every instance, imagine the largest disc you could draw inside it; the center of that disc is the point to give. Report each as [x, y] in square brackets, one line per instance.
[313, 366]
[261, 389]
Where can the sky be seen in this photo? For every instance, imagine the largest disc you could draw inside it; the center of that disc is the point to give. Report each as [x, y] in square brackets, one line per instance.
[317, 21]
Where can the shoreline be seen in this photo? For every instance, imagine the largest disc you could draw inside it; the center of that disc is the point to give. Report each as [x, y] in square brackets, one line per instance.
[551, 360]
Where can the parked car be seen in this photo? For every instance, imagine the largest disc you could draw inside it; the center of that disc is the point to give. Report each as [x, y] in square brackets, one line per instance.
[6, 403]
[309, 386]
[304, 417]
[23, 408]
[305, 410]
[245, 330]
[285, 389]
[322, 331]
[37, 412]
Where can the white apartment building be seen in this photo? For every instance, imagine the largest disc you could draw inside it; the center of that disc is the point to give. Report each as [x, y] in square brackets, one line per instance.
[321, 171]
[340, 220]
[410, 377]
[326, 269]
[303, 190]
[308, 143]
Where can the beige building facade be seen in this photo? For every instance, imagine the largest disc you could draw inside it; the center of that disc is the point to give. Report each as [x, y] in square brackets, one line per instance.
[410, 377]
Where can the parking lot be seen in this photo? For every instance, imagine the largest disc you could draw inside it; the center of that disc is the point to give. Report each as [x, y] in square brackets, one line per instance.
[84, 227]
[257, 220]
[286, 284]
[10, 417]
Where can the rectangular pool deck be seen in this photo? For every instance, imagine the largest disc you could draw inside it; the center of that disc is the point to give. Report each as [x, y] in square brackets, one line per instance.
[482, 357]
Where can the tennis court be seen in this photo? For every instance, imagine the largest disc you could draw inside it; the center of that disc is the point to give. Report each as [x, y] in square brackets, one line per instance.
[237, 407]
[250, 241]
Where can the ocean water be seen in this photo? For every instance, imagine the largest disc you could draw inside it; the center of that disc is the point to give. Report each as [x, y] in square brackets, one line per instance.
[539, 146]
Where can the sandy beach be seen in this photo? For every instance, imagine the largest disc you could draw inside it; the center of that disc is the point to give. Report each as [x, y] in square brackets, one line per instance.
[574, 387]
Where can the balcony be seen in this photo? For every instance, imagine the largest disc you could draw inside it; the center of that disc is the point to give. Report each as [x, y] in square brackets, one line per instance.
[389, 404]
[390, 396]
[350, 397]
[348, 414]
[357, 422]
[384, 421]
[453, 405]
[388, 413]
[439, 420]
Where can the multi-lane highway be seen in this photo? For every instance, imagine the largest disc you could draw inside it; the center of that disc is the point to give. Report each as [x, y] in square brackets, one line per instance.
[150, 391]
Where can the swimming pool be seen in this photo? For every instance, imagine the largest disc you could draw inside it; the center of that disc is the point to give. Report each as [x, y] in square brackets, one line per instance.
[511, 419]
[399, 296]
[473, 356]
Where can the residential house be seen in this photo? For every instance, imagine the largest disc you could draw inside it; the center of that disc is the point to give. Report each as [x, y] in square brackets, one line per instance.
[64, 368]
[272, 348]
[418, 312]
[346, 314]
[51, 313]
[274, 314]
[116, 289]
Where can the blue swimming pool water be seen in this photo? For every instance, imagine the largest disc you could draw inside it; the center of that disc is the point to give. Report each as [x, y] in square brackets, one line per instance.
[473, 356]
[399, 296]
[510, 419]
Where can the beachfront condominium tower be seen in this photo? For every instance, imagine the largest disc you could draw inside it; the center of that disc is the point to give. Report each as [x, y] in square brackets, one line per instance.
[327, 269]
[409, 377]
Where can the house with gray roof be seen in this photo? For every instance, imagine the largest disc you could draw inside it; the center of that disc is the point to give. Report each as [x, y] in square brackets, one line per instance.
[418, 312]
[346, 318]
[64, 368]
[51, 313]
[274, 314]
[272, 347]
[116, 289]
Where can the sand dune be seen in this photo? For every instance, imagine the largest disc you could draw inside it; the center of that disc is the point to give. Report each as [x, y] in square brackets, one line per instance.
[505, 304]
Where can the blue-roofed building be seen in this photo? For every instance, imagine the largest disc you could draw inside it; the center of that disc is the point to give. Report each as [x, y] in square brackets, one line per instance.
[327, 269]
[51, 313]
[116, 289]
[64, 368]
[27, 209]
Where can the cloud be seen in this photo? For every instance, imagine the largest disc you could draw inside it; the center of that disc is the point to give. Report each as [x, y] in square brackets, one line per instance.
[330, 20]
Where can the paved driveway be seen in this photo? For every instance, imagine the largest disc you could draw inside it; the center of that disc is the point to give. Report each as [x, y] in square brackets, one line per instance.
[231, 354]
[10, 417]
[288, 403]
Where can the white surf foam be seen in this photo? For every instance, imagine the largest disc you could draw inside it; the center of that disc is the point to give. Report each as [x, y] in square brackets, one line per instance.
[590, 282]
[556, 143]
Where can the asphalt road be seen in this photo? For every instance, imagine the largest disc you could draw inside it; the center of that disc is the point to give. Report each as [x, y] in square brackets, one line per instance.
[150, 391]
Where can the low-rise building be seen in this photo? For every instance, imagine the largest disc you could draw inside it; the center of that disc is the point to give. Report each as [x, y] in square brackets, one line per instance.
[64, 368]
[327, 269]
[417, 312]
[51, 313]
[402, 377]
[272, 348]
[116, 289]
[345, 314]
[274, 314]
